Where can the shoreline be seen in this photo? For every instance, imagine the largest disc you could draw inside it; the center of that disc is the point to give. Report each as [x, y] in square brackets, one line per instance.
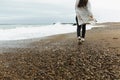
[36, 32]
[22, 41]
[44, 37]
[98, 25]
[60, 57]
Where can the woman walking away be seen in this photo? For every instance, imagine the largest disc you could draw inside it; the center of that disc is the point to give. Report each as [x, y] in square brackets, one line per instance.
[83, 17]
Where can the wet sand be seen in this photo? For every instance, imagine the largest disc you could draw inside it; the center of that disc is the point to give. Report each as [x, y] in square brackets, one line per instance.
[61, 57]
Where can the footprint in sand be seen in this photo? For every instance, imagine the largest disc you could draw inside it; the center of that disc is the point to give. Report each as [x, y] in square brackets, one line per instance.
[115, 38]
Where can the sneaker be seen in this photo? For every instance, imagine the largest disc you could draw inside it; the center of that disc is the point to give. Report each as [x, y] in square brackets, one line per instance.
[79, 38]
[82, 39]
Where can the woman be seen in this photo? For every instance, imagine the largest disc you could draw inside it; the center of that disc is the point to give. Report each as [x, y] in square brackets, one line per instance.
[83, 17]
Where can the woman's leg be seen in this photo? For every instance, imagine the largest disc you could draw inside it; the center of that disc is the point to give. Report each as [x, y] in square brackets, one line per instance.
[78, 28]
[83, 30]
[79, 31]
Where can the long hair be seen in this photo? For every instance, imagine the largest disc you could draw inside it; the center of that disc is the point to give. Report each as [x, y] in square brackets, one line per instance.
[82, 3]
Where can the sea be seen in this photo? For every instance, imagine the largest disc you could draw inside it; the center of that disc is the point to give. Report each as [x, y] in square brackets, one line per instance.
[21, 32]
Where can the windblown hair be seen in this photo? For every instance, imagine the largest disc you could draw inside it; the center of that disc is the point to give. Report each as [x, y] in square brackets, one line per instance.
[82, 3]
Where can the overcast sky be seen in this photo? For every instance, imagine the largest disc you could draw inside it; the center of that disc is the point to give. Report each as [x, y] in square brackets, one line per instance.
[49, 11]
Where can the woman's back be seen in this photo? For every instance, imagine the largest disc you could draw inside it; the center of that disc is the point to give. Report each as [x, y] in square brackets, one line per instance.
[83, 12]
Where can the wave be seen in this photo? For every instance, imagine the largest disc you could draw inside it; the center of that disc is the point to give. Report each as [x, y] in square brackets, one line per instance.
[23, 32]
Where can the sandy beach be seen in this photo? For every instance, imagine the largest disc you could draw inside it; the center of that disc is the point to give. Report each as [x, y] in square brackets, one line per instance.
[61, 57]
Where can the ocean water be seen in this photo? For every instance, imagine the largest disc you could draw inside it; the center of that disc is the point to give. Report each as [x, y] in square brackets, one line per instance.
[13, 26]
[20, 32]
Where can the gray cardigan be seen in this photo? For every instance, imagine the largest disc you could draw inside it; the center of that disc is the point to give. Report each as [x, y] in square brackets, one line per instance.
[84, 15]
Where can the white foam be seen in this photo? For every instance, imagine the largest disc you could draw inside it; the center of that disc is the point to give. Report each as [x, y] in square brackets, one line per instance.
[20, 33]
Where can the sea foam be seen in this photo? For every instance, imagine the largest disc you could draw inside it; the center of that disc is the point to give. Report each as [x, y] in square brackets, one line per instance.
[23, 32]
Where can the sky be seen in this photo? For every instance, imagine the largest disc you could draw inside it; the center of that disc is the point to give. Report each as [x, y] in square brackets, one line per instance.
[51, 11]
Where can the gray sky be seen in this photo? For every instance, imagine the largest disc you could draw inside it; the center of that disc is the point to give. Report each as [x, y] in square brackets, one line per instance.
[46, 11]
[36, 11]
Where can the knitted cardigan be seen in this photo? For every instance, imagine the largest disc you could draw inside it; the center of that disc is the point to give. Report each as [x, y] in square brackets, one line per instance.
[84, 14]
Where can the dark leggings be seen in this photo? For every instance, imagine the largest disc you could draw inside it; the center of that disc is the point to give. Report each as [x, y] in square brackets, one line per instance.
[83, 26]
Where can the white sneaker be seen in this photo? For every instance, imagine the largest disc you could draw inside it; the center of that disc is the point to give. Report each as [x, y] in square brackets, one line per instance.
[82, 39]
[79, 38]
